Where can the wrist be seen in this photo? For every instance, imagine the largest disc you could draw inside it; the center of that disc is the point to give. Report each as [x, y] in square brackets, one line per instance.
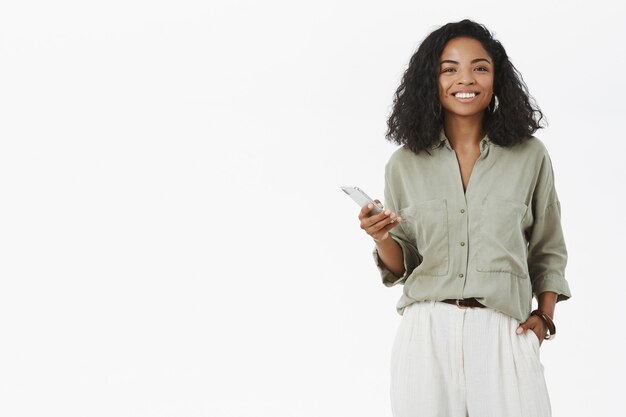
[547, 302]
[382, 241]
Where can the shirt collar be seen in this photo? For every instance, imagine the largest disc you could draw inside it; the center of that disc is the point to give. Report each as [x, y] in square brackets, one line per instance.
[443, 141]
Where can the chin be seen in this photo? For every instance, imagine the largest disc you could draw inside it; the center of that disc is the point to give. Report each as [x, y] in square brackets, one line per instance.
[466, 112]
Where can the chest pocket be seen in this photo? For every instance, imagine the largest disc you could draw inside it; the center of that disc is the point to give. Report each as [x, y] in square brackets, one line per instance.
[426, 224]
[502, 246]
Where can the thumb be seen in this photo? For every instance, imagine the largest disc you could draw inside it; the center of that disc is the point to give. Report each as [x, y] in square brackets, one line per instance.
[522, 328]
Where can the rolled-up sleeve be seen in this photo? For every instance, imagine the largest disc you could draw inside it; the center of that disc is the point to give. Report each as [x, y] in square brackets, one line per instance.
[411, 261]
[411, 256]
[547, 252]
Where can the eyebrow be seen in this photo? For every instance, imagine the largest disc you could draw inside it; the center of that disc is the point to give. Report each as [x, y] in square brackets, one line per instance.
[449, 61]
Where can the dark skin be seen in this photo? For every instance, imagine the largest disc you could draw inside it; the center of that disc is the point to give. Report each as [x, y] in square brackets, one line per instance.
[465, 90]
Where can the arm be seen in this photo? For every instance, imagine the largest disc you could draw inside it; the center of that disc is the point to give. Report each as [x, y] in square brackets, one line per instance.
[391, 256]
[396, 256]
[547, 302]
[547, 253]
[391, 250]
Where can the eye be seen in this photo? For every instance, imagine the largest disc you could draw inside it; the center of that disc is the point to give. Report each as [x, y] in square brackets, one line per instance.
[482, 69]
[449, 69]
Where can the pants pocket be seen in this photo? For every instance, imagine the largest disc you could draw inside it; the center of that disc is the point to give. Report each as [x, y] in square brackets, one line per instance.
[534, 340]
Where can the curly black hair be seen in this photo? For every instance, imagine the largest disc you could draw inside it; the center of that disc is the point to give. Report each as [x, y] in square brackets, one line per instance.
[417, 116]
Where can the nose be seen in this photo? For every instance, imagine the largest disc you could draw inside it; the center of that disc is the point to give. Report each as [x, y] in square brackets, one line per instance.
[466, 77]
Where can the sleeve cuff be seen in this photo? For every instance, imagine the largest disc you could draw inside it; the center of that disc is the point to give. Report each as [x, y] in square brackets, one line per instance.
[411, 261]
[554, 283]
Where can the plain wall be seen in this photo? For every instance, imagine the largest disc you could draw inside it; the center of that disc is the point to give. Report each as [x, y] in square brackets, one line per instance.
[173, 239]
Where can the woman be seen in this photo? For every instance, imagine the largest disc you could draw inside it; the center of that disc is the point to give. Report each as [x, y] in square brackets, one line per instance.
[472, 229]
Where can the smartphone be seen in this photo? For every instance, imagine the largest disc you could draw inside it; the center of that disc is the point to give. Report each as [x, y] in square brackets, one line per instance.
[361, 198]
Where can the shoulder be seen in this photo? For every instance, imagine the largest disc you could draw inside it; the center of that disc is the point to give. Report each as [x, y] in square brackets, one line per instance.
[400, 156]
[531, 152]
[533, 146]
[404, 157]
[536, 158]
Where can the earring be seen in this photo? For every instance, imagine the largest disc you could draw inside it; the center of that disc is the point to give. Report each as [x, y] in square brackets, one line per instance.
[495, 104]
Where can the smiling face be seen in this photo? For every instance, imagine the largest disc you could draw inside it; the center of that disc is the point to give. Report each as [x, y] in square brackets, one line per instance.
[465, 77]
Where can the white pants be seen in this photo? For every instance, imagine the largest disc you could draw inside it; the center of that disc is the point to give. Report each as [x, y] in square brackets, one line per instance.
[449, 361]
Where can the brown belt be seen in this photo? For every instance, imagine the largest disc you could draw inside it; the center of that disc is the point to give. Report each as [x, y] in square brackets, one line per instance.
[464, 302]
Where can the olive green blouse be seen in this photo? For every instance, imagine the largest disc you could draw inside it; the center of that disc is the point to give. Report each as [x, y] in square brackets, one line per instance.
[499, 241]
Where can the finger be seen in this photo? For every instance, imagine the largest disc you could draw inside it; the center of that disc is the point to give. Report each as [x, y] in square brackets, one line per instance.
[372, 219]
[365, 210]
[531, 323]
[381, 232]
[384, 225]
[375, 223]
[522, 328]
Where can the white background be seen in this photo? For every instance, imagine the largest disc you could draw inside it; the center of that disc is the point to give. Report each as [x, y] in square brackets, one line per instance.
[173, 239]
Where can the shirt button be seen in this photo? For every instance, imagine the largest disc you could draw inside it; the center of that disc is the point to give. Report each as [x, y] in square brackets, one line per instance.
[462, 210]
[460, 275]
[462, 243]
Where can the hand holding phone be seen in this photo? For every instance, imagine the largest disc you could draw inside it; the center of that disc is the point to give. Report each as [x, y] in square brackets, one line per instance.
[375, 221]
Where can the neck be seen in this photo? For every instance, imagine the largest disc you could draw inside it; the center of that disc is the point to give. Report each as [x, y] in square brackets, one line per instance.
[463, 132]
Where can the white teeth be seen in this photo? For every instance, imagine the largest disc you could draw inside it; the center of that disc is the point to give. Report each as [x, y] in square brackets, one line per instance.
[465, 95]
